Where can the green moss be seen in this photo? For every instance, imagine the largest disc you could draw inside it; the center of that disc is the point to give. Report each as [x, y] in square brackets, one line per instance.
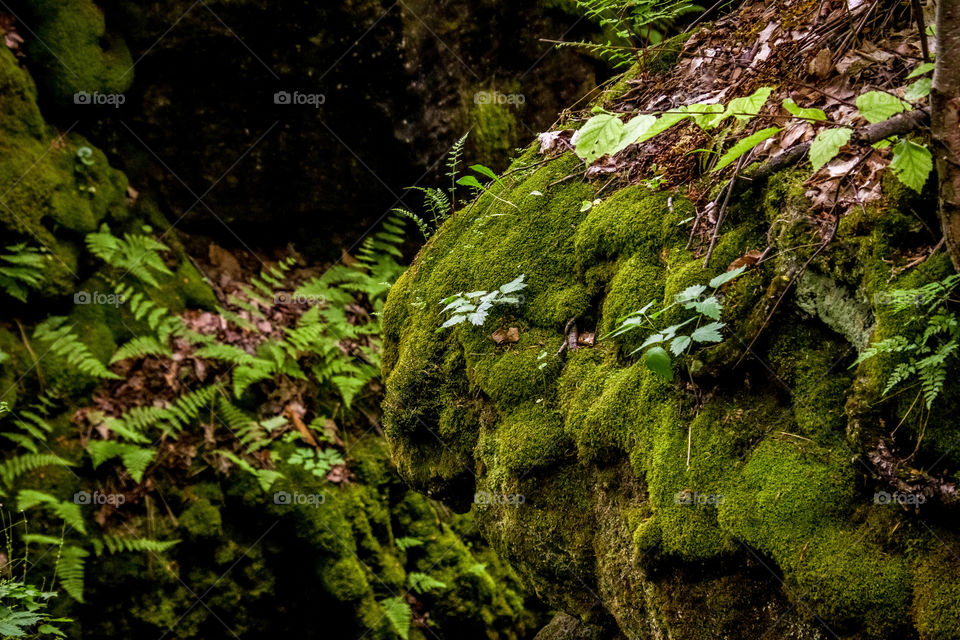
[528, 437]
[201, 519]
[936, 599]
[634, 220]
[76, 50]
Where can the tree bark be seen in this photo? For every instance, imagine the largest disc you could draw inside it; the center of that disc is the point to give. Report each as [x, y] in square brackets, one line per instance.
[945, 123]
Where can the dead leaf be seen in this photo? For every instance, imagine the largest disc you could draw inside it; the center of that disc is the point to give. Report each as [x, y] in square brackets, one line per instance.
[298, 423]
[504, 336]
[822, 64]
[748, 259]
[587, 339]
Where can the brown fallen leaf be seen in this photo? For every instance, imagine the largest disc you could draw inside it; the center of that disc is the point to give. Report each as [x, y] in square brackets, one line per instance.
[748, 259]
[587, 339]
[503, 336]
[302, 428]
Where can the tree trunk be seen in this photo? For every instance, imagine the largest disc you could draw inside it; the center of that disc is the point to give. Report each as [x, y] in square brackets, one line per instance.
[945, 122]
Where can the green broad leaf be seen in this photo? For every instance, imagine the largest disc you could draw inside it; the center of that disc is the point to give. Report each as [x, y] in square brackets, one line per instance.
[800, 112]
[706, 116]
[586, 206]
[680, 344]
[470, 181]
[726, 277]
[486, 171]
[598, 137]
[926, 67]
[632, 131]
[658, 361]
[911, 164]
[744, 146]
[664, 122]
[919, 89]
[708, 333]
[826, 145]
[883, 144]
[877, 106]
[745, 108]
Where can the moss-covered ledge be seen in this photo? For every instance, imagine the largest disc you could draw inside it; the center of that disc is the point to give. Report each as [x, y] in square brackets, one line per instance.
[733, 505]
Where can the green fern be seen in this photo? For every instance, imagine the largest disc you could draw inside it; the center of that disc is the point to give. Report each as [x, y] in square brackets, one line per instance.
[926, 357]
[17, 466]
[21, 270]
[398, 613]
[128, 544]
[134, 254]
[158, 318]
[135, 459]
[69, 512]
[173, 418]
[58, 338]
[71, 569]
[265, 477]
[422, 582]
[141, 347]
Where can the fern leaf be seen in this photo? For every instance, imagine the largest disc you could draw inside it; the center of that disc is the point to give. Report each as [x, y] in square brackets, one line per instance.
[71, 570]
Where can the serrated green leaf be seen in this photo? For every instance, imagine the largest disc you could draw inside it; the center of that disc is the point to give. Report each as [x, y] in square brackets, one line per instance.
[658, 361]
[877, 106]
[826, 145]
[598, 136]
[801, 112]
[708, 333]
[911, 164]
[726, 277]
[745, 145]
[679, 344]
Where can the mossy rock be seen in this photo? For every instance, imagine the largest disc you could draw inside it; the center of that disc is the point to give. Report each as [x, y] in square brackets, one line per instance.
[752, 461]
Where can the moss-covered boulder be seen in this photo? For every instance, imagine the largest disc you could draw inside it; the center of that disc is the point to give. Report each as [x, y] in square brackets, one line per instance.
[739, 501]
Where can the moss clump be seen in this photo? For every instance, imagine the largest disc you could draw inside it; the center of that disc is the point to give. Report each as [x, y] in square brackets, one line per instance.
[201, 519]
[76, 51]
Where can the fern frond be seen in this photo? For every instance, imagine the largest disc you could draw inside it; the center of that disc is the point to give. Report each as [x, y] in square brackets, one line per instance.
[13, 468]
[135, 459]
[69, 512]
[134, 254]
[141, 347]
[58, 337]
[20, 270]
[71, 569]
[128, 544]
